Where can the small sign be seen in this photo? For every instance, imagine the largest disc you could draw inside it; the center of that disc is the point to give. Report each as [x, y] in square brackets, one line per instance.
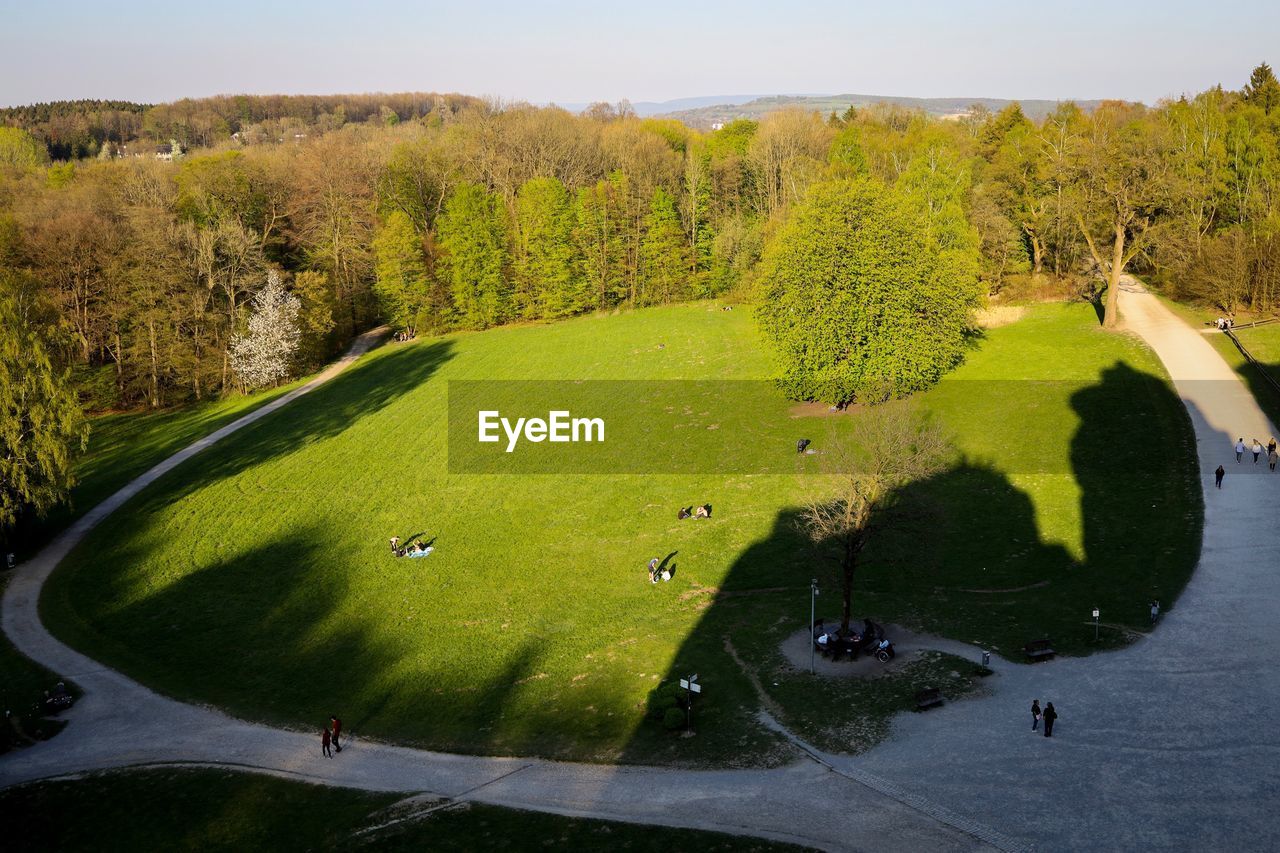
[691, 686]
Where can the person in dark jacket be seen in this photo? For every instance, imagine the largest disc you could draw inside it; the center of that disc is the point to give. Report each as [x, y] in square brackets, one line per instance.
[337, 732]
[1049, 716]
[324, 742]
[1035, 714]
[1218, 475]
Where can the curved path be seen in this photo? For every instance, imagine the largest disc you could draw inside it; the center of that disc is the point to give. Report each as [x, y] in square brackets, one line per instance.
[1162, 745]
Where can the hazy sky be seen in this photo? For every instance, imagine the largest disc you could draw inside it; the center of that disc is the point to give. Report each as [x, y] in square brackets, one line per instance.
[570, 51]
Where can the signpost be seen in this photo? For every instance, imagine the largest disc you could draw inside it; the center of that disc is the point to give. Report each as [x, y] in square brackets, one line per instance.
[1095, 624]
[692, 686]
[813, 594]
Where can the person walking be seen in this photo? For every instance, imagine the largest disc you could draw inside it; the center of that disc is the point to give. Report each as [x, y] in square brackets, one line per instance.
[324, 742]
[1218, 475]
[1239, 449]
[1257, 450]
[1035, 714]
[1155, 610]
[337, 732]
[1049, 716]
[1271, 445]
[395, 545]
[1272, 458]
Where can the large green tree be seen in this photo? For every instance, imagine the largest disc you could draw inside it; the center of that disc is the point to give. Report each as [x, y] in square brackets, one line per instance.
[549, 280]
[401, 270]
[473, 236]
[1263, 89]
[858, 299]
[664, 253]
[41, 426]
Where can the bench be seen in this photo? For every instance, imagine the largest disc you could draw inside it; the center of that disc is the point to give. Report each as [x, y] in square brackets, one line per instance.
[1039, 650]
[928, 698]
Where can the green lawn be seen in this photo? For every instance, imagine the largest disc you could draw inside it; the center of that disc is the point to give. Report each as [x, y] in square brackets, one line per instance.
[258, 578]
[209, 810]
[124, 445]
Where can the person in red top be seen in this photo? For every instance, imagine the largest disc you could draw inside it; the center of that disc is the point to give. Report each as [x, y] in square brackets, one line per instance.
[337, 730]
[324, 742]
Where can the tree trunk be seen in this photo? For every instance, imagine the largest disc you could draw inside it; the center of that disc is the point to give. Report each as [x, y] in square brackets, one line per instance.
[1111, 318]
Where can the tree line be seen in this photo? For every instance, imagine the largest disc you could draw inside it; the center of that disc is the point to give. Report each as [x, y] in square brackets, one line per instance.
[140, 275]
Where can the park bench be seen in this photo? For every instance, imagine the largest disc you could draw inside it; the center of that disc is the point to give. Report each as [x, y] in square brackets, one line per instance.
[1039, 650]
[928, 698]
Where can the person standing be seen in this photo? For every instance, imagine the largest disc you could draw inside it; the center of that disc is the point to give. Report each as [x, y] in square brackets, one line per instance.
[1239, 449]
[324, 742]
[395, 545]
[1155, 610]
[1257, 450]
[337, 732]
[1049, 716]
[1035, 714]
[1218, 475]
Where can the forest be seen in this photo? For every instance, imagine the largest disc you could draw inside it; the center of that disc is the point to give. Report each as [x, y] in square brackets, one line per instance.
[436, 212]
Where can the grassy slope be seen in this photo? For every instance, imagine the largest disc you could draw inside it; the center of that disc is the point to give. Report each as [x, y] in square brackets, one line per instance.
[122, 446]
[216, 810]
[257, 577]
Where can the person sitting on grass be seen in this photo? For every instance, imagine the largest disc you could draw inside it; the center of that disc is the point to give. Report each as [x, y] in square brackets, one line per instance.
[704, 511]
[653, 570]
[684, 513]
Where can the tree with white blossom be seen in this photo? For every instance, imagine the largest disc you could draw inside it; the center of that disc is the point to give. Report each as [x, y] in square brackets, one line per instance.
[263, 355]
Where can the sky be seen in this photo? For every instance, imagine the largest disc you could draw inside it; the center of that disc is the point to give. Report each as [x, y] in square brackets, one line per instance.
[568, 51]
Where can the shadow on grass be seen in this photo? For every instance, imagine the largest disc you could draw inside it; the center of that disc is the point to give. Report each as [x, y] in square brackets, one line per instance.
[965, 558]
[335, 658]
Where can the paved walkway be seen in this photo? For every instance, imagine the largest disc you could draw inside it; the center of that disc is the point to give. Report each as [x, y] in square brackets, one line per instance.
[1162, 745]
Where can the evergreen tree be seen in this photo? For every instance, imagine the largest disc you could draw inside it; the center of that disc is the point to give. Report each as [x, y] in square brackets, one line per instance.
[1263, 89]
[401, 270]
[549, 281]
[473, 237]
[664, 265]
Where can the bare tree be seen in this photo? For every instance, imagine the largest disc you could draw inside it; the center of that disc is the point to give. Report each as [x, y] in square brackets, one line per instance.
[890, 446]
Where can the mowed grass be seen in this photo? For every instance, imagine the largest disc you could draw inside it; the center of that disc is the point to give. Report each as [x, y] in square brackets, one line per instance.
[125, 444]
[209, 810]
[257, 577]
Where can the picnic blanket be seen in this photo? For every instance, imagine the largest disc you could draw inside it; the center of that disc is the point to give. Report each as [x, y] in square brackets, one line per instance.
[428, 550]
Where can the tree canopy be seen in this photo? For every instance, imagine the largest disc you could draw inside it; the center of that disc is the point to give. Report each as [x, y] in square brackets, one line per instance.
[860, 298]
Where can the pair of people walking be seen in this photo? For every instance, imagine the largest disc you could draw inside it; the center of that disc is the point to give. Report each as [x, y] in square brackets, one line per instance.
[1049, 715]
[331, 734]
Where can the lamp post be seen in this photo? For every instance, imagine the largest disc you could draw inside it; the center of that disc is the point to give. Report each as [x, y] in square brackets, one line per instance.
[1095, 624]
[813, 595]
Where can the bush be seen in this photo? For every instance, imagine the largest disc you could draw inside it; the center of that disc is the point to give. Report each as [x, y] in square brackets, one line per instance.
[673, 719]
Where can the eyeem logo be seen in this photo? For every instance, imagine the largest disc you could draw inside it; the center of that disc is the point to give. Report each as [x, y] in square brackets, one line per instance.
[558, 427]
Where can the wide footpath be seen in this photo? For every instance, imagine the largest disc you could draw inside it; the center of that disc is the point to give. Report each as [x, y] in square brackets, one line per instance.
[1163, 745]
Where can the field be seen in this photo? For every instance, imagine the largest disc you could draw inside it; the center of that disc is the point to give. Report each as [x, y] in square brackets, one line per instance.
[209, 810]
[124, 445]
[257, 577]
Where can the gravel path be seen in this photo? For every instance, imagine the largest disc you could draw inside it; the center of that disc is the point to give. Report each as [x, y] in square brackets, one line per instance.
[1162, 745]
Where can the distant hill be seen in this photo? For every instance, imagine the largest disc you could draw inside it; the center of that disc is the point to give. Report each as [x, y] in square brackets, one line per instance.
[644, 109]
[705, 116]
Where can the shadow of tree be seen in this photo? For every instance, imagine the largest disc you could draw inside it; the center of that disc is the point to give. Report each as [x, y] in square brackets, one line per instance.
[965, 559]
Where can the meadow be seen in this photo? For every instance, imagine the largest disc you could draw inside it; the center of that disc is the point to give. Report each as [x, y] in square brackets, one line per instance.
[257, 577]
